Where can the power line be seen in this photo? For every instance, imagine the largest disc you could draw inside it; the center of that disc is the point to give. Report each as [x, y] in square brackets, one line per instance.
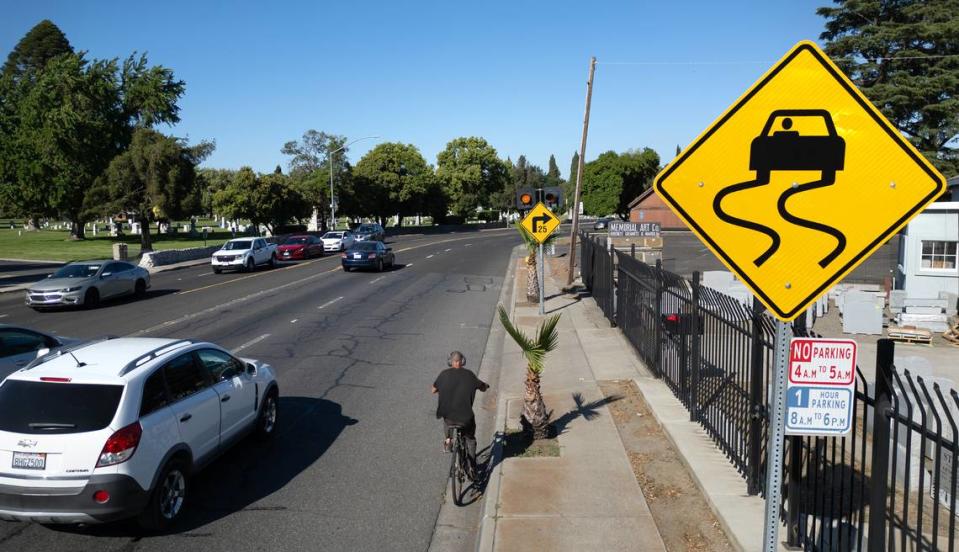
[768, 62]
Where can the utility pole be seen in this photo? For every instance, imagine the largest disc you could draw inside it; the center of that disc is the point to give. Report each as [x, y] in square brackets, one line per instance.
[579, 173]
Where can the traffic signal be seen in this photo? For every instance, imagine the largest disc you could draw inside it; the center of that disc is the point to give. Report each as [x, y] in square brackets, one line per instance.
[525, 199]
[553, 197]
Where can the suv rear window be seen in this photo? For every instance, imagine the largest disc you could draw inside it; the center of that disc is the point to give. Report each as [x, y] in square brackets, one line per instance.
[42, 408]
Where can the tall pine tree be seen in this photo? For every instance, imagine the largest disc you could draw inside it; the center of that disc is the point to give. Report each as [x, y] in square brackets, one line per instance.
[904, 55]
[569, 187]
[42, 43]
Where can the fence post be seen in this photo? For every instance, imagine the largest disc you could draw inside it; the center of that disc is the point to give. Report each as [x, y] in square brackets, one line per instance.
[694, 362]
[658, 321]
[632, 250]
[756, 375]
[879, 475]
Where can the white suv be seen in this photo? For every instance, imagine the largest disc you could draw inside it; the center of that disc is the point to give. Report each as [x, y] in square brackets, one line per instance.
[113, 429]
[243, 254]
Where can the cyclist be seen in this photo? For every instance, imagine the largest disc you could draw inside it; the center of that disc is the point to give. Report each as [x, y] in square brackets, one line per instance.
[456, 387]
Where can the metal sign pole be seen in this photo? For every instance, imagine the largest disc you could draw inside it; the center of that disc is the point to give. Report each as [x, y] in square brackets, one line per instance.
[774, 449]
[542, 285]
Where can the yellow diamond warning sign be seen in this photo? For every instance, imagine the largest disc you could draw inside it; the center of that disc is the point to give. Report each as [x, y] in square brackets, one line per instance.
[798, 182]
[540, 222]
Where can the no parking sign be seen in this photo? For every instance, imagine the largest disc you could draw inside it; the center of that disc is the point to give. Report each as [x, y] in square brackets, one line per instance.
[820, 392]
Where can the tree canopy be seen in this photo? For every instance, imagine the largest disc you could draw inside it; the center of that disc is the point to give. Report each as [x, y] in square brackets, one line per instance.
[41, 44]
[612, 181]
[269, 199]
[154, 179]
[471, 173]
[904, 56]
[392, 178]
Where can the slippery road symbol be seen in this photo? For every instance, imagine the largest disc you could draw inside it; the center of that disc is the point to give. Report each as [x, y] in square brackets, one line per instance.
[787, 150]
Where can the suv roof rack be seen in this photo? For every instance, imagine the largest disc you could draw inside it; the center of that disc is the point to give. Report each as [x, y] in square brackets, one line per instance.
[147, 357]
[62, 351]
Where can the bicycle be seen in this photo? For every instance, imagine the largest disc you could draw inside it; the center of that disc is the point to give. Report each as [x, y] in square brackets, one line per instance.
[461, 468]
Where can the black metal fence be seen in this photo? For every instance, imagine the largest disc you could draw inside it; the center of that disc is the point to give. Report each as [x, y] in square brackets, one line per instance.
[888, 485]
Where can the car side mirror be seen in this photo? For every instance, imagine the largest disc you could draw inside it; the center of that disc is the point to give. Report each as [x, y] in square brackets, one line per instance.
[43, 351]
[105, 274]
[250, 369]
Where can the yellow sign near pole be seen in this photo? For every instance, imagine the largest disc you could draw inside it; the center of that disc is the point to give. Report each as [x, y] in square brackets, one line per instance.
[798, 182]
[540, 222]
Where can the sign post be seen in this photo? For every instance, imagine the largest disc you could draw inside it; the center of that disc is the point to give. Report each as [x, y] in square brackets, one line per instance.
[540, 223]
[786, 190]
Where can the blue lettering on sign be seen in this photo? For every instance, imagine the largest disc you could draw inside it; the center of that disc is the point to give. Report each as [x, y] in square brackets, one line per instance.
[815, 410]
[797, 398]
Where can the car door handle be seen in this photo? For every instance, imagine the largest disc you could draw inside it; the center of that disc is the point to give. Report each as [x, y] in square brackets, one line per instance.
[225, 398]
[186, 417]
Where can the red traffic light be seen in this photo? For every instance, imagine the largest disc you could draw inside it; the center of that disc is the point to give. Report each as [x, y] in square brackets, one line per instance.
[526, 199]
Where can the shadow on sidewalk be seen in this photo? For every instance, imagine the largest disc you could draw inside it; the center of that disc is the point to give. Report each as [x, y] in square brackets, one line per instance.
[588, 411]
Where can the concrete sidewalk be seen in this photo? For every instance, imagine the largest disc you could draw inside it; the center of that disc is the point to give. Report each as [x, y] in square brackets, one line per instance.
[588, 497]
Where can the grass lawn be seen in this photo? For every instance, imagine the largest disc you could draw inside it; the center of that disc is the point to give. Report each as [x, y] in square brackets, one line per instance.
[54, 245]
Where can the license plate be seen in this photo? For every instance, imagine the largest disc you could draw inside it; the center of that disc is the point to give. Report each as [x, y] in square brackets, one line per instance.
[286, 253]
[30, 460]
[357, 256]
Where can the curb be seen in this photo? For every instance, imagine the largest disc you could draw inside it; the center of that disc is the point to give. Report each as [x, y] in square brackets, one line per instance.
[487, 536]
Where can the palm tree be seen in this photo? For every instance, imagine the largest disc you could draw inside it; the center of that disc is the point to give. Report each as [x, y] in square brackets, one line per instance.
[546, 339]
[532, 246]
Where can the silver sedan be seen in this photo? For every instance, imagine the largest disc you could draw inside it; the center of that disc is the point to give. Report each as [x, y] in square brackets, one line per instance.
[87, 283]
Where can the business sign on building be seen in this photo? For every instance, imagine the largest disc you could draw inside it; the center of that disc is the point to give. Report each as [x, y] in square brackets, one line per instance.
[821, 389]
[634, 229]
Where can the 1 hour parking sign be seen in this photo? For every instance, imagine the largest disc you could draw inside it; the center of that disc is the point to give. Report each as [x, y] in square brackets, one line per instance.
[821, 388]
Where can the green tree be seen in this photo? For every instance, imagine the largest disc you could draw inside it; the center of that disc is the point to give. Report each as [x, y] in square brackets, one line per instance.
[42, 43]
[395, 178]
[309, 167]
[68, 122]
[154, 179]
[678, 150]
[269, 199]
[472, 174]
[569, 187]
[211, 181]
[553, 178]
[534, 348]
[612, 181]
[903, 56]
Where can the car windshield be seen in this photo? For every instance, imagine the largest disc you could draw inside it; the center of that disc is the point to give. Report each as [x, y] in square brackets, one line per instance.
[365, 228]
[332, 235]
[42, 408]
[77, 271]
[238, 245]
[365, 246]
[296, 240]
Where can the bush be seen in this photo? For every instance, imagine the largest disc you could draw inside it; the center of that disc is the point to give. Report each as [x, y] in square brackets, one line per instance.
[289, 229]
[453, 219]
[487, 216]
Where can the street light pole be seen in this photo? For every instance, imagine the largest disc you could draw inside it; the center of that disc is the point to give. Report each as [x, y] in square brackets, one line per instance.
[332, 153]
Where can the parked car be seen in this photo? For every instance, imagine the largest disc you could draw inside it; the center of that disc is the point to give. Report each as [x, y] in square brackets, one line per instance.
[19, 346]
[370, 232]
[338, 241]
[88, 283]
[244, 254]
[601, 224]
[116, 428]
[368, 254]
[300, 247]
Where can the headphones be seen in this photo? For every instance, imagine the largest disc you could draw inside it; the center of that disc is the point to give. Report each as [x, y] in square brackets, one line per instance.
[449, 361]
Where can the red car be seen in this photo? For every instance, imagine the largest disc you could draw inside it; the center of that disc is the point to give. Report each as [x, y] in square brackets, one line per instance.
[299, 247]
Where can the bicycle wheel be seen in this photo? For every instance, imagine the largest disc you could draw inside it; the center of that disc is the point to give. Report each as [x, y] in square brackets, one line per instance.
[457, 476]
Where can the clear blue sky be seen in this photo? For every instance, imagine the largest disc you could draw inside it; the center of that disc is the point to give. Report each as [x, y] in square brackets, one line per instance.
[261, 73]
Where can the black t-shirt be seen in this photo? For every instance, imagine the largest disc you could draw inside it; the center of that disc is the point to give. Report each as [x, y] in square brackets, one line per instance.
[457, 387]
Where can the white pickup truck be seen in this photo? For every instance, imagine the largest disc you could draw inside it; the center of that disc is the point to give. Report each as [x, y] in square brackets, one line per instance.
[244, 254]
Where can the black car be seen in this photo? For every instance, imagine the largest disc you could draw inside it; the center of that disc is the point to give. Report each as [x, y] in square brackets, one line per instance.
[601, 224]
[369, 232]
[368, 254]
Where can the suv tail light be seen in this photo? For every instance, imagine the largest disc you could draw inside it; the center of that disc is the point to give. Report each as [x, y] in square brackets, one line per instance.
[343, 255]
[371, 256]
[121, 445]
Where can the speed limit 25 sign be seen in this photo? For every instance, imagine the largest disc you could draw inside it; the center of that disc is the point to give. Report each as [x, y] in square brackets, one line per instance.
[821, 386]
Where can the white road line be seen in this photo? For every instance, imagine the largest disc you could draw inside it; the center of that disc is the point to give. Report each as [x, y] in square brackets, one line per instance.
[377, 279]
[205, 274]
[448, 249]
[328, 303]
[429, 256]
[4, 315]
[253, 341]
[468, 245]
[407, 265]
[294, 321]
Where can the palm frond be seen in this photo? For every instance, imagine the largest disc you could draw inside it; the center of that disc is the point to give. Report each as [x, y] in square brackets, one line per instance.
[521, 339]
[547, 337]
[528, 240]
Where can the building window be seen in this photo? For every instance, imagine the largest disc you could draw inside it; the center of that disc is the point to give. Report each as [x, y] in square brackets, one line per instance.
[940, 254]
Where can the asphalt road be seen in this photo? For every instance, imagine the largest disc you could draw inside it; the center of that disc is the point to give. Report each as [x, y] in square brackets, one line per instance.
[357, 461]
